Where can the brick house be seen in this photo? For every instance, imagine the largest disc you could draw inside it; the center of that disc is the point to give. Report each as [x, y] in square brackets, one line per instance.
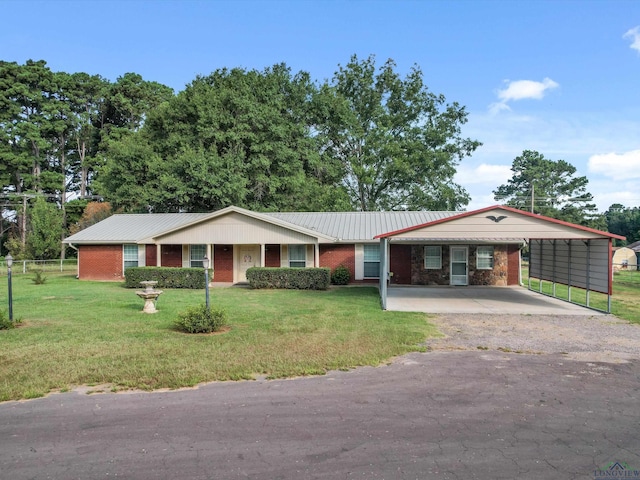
[481, 247]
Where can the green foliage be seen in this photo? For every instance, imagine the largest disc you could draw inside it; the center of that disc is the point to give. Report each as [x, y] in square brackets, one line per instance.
[45, 233]
[201, 320]
[289, 278]
[341, 275]
[557, 192]
[166, 277]
[397, 143]
[5, 323]
[39, 278]
[234, 137]
[624, 221]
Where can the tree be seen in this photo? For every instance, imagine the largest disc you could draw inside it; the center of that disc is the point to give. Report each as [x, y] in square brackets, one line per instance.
[550, 188]
[45, 230]
[397, 143]
[624, 221]
[234, 137]
[93, 213]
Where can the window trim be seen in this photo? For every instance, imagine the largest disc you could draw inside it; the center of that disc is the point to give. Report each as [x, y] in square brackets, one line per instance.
[427, 267]
[129, 259]
[490, 257]
[302, 260]
[365, 262]
[197, 261]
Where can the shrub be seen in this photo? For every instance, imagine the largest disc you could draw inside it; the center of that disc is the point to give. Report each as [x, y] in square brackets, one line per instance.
[39, 279]
[290, 278]
[201, 320]
[341, 275]
[5, 323]
[166, 277]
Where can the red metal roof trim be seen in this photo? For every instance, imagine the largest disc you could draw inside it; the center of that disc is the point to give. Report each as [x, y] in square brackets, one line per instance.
[507, 209]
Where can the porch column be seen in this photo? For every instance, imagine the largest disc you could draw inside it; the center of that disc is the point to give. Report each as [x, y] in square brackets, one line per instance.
[158, 255]
[316, 257]
[262, 254]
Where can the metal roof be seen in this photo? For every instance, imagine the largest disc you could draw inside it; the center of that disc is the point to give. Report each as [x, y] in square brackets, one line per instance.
[131, 227]
[342, 226]
[352, 226]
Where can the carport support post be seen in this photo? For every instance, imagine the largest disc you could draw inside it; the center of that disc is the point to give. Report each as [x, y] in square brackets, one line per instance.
[384, 242]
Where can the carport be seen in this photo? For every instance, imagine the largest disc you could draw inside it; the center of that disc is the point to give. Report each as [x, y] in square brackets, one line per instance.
[560, 253]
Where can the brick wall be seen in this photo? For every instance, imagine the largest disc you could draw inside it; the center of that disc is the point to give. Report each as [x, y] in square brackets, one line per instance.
[272, 256]
[171, 256]
[332, 256]
[150, 255]
[223, 263]
[100, 262]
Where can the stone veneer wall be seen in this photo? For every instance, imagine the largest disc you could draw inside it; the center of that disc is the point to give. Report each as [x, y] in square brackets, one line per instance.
[497, 277]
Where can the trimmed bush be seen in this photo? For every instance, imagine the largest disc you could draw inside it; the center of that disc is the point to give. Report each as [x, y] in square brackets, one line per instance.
[200, 320]
[167, 277]
[289, 278]
[340, 275]
[39, 279]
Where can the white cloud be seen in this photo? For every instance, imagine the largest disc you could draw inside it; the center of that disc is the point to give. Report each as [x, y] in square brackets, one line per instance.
[493, 175]
[522, 89]
[623, 166]
[634, 35]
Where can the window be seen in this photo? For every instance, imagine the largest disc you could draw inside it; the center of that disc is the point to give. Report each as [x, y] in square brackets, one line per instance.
[372, 261]
[297, 256]
[130, 254]
[433, 257]
[196, 254]
[484, 258]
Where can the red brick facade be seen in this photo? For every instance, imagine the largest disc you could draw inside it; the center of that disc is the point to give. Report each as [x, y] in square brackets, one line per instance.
[150, 255]
[223, 263]
[332, 256]
[272, 255]
[105, 262]
[100, 262]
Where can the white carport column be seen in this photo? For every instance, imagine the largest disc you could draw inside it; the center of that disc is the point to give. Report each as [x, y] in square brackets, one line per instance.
[384, 268]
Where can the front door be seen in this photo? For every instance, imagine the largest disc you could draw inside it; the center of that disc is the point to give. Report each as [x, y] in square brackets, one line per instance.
[459, 266]
[248, 256]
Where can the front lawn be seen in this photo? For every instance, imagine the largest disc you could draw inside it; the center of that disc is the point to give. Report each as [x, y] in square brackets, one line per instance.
[94, 333]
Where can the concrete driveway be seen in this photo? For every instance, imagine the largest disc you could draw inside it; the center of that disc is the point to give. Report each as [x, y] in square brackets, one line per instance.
[472, 299]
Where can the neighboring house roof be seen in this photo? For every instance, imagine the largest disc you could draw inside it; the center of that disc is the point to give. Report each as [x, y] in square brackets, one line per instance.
[635, 246]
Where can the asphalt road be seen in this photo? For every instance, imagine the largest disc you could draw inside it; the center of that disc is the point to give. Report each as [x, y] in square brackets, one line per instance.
[438, 415]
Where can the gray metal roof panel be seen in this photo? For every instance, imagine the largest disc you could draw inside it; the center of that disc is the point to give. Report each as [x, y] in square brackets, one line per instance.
[346, 226]
[132, 227]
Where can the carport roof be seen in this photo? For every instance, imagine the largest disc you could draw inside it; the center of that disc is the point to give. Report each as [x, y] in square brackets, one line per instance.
[490, 231]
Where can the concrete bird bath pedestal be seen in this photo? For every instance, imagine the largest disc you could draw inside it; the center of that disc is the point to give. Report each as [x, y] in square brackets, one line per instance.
[150, 295]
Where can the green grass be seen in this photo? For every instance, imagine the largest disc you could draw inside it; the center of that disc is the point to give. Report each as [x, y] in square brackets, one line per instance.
[625, 302]
[93, 333]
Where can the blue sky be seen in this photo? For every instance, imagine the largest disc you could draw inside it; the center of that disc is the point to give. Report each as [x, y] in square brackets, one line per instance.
[560, 77]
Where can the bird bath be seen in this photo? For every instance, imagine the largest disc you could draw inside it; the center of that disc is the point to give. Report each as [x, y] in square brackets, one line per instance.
[150, 295]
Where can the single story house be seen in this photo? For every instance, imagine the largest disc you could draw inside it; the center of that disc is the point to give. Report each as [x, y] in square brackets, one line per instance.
[480, 247]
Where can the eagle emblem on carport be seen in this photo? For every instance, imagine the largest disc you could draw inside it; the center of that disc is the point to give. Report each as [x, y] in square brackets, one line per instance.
[496, 219]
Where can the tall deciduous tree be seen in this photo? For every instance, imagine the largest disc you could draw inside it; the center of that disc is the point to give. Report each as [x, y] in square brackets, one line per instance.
[550, 188]
[398, 143]
[234, 137]
[624, 221]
